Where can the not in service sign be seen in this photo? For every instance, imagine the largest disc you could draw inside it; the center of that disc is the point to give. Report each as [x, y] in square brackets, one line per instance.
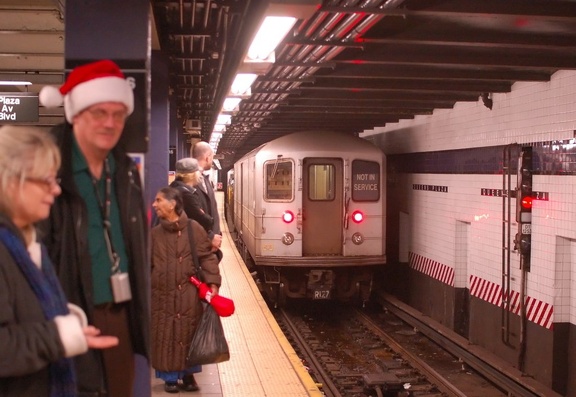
[18, 108]
[365, 180]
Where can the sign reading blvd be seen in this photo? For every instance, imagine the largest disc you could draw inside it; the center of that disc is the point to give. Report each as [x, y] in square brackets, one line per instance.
[16, 107]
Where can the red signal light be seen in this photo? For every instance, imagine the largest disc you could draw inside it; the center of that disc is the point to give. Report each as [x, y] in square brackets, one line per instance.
[527, 202]
[357, 216]
[288, 216]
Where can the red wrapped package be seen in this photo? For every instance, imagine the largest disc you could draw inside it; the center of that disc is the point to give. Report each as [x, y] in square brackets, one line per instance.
[222, 305]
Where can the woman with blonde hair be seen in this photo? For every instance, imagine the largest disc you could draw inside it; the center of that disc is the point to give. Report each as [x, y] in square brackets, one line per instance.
[39, 330]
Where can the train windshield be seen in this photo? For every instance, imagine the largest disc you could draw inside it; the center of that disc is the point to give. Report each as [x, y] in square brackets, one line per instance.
[279, 177]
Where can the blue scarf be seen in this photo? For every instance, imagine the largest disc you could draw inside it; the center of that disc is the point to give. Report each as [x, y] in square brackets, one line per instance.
[47, 289]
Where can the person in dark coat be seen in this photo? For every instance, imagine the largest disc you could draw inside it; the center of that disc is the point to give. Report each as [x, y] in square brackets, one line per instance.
[97, 232]
[204, 154]
[195, 205]
[39, 329]
[188, 177]
[176, 307]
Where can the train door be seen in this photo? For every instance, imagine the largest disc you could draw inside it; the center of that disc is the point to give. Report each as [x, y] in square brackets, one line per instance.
[322, 206]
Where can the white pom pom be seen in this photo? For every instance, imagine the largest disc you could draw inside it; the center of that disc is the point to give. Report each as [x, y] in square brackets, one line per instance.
[50, 97]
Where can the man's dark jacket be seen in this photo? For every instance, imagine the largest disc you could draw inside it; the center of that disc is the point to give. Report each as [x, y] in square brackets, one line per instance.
[212, 204]
[195, 205]
[65, 234]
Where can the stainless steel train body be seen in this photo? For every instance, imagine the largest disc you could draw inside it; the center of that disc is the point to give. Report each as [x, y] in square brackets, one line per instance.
[309, 210]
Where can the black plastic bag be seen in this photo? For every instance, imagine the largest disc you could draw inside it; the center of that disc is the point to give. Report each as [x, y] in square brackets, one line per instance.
[209, 344]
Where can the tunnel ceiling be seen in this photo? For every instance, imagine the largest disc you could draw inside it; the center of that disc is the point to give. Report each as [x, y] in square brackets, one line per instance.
[356, 65]
[348, 65]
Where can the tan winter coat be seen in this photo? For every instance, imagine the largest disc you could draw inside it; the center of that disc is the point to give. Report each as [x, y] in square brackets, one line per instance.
[176, 308]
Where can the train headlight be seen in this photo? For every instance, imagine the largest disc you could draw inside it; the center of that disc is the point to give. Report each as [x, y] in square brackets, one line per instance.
[357, 238]
[287, 238]
[357, 216]
[288, 216]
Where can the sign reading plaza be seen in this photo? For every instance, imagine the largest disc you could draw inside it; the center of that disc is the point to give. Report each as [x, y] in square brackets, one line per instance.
[18, 107]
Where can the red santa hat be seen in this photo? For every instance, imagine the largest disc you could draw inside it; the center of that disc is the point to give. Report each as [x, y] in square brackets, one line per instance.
[96, 82]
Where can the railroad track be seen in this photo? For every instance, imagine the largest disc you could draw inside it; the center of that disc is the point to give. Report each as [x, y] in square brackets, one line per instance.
[501, 374]
[298, 338]
[351, 355]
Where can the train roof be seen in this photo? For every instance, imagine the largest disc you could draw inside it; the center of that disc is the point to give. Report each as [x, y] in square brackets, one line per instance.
[317, 142]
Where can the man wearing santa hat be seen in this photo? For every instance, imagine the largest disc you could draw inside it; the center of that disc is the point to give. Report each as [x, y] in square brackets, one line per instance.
[97, 230]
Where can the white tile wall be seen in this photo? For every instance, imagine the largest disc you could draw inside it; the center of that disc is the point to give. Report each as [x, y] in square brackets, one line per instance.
[532, 112]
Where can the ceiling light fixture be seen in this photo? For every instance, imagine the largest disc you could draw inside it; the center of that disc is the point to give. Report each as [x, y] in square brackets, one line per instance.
[231, 104]
[280, 17]
[241, 84]
[8, 82]
[269, 35]
[223, 119]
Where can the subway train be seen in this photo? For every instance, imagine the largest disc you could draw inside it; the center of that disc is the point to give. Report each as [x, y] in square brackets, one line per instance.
[308, 213]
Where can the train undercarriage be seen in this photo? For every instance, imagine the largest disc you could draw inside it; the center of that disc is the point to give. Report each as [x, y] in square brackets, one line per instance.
[279, 283]
[341, 278]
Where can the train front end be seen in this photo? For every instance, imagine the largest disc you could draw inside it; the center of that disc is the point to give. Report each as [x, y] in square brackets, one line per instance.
[316, 227]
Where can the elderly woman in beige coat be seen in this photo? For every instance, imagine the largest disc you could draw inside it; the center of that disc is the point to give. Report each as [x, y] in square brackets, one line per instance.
[176, 308]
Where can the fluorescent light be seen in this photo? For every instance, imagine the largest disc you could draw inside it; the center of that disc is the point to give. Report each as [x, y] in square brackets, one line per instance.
[231, 104]
[216, 136]
[223, 119]
[219, 128]
[7, 82]
[269, 35]
[242, 83]
[215, 140]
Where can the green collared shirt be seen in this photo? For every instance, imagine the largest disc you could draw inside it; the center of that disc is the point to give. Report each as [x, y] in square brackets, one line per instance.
[101, 262]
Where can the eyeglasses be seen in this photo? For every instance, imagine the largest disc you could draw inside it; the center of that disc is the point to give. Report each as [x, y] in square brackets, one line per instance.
[101, 115]
[50, 181]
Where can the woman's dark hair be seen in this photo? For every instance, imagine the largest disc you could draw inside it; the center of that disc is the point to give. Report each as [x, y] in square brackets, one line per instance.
[171, 193]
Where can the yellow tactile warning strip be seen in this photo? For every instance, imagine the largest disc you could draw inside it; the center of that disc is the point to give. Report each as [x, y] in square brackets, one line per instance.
[262, 361]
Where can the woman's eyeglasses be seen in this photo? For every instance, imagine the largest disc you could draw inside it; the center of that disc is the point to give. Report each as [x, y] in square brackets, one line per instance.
[49, 181]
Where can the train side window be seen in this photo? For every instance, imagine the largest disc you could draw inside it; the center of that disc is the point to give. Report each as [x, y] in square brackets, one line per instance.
[365, 180]
[279, 180]
[321, 181]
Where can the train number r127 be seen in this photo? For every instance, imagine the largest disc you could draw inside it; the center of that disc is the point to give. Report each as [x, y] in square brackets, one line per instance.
[321, 294]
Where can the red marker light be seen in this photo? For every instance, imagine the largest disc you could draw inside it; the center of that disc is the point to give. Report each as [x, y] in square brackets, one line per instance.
[357, 216]
[287, 216]
[527, 202]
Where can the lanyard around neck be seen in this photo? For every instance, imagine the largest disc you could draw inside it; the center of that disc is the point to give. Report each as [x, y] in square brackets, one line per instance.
[104, 205]
[105, 213]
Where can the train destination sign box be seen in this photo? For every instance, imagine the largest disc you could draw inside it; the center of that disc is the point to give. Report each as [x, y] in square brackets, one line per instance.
[365, 180]
[16, 107]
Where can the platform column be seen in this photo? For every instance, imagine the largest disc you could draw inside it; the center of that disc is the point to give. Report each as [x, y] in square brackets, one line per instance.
[120, 31]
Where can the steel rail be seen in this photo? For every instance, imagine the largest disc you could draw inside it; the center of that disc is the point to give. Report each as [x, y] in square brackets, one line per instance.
[328, 387]
[431, 374]
[514, 382]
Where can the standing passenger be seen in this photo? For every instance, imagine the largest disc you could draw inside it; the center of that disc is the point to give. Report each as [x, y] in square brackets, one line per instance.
[97, 230]
[39, 330]
[176, 307]
[187, 179]
[194, 205]
[203, 152]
